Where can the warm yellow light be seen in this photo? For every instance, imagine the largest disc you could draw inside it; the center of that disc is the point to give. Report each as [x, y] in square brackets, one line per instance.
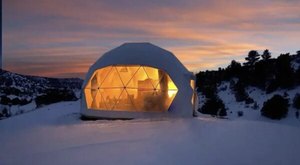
[171, 93]
[130, 88]
[171, 85]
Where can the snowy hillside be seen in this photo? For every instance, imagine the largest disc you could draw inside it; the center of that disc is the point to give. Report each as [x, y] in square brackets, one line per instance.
[22, 93]
[268, 87]
[55, 135]
[26, 84]
[248, 110]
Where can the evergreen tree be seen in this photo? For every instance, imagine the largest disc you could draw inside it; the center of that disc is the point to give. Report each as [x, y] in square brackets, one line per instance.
[266, 55]
[284, 72]
[233, 70]
[252, 58]
[214, 106]
[239, 91]
[234, 65]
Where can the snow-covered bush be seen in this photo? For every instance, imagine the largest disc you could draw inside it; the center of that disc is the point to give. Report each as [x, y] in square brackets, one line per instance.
[4, 100]
[275, 108]
[4, 112]
[213, 106]
[240, 113]
[54, 96]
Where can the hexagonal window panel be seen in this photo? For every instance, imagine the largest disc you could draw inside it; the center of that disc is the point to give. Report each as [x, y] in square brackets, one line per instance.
[130, 88]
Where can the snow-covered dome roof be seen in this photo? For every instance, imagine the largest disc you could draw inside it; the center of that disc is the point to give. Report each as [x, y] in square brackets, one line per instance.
[140, 54]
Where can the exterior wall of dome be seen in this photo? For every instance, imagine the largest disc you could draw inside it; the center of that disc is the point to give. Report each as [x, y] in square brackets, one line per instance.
[133, 58]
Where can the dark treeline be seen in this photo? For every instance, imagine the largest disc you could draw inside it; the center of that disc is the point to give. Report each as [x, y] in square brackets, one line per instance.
[259, 70]
[268, 74]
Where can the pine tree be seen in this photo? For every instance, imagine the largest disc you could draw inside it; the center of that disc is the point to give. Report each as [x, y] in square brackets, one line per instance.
[234, 65]
[214, 106]
[252, 58]
[284, 73]
[266, 55]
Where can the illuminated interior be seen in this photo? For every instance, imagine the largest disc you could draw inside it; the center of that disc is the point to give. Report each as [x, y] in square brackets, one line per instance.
[130, 88]
[192, 83]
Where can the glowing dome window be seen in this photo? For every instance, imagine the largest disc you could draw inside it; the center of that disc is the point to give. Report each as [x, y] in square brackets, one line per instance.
[130, 88]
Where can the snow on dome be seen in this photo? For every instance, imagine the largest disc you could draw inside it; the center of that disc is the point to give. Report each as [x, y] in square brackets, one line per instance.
[141, 54]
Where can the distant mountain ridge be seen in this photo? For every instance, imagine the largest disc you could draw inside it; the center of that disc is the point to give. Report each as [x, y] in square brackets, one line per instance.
[27, 81]
[20, 90]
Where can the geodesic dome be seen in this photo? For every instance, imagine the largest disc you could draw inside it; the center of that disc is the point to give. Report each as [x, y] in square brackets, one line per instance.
[137, 80]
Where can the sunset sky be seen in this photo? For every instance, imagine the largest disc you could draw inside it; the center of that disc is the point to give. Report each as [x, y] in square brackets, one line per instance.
[62, 38]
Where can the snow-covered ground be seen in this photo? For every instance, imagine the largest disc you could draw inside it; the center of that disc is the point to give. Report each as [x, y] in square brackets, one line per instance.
[259, 96]
[55, 135]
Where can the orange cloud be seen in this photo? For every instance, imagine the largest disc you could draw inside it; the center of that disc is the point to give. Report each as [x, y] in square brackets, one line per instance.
[203, 34]
[212, 56]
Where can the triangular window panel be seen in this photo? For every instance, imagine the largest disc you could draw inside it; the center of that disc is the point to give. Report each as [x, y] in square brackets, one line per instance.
[96, 98]
[112, 80]
[111, 97]
[88, 97]
[101, 101]
[132, 95]
[140, 80]
[171, 96]
[153, 75]
[94, 93]
[171, 84]
[166, 83]
[163, 81]
[94, 82]
[172, 93]
[154, 101]
[116, 100]
[124, 102]
[126, 73]
[102, 74]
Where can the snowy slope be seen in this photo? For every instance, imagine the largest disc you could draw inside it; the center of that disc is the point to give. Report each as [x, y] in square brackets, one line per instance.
[226, 94]
[55, 135]
[18, 92]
